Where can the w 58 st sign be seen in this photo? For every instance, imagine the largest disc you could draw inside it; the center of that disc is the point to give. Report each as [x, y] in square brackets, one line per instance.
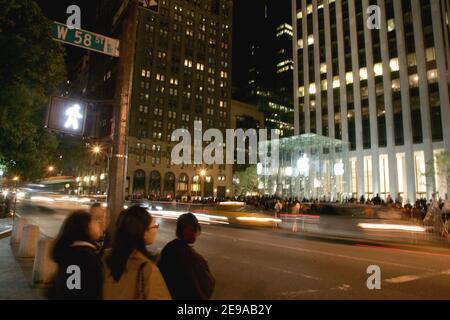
[85, 39]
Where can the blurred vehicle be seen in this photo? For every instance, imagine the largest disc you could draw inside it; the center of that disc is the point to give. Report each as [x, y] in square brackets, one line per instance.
[225, 213]
[240, 214]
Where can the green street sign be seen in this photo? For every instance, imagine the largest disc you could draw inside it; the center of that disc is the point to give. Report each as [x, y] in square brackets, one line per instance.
[85, 39]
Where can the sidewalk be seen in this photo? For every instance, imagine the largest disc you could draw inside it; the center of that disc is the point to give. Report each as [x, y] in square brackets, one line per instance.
[15, 275]
[5, 226]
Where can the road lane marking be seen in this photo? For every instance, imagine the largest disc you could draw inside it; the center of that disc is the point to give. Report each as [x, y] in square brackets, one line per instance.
[336, 255]
[292, 273]
[410, 278]
[344, 287]
[403, 250]
[294, 294]
[307, 276]
[402, 279]
[371, 261]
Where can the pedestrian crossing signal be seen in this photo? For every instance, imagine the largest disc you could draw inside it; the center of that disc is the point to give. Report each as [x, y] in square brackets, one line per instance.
[66, 115]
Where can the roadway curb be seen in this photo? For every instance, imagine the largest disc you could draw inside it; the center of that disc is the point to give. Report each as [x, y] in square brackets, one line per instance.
[43, 235]
[5, 234]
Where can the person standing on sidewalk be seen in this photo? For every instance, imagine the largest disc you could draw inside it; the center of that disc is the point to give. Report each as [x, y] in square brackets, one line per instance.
[278, 208]
[98, 212]
[130, 271]
[186, 272]
[79, 275]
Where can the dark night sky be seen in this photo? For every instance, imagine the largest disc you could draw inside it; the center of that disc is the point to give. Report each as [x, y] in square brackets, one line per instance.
[56, 11]
[244, 27]
[247, 26]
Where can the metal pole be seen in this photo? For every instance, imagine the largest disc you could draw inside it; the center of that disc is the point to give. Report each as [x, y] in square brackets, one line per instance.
[15, 200]
[108, 156]
[15, 203]
[295, 73]
[117, 168]
[203, 188]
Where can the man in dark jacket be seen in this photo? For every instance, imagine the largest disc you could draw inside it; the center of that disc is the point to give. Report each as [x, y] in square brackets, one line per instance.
[186, 272]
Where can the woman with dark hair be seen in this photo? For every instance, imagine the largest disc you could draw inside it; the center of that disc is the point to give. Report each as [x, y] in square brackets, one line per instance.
[130, 272]
[79, 274]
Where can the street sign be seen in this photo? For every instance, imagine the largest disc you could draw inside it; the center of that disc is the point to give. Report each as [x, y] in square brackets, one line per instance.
[66, 115]
[85, 39]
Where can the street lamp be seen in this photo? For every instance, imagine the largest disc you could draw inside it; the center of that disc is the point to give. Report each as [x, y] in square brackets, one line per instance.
[96, 149]
[16, 180]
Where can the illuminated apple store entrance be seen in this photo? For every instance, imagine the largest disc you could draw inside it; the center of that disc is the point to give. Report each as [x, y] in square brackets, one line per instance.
[310, 167]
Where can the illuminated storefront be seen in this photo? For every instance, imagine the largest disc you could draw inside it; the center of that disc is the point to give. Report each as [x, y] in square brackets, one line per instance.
[310, 167]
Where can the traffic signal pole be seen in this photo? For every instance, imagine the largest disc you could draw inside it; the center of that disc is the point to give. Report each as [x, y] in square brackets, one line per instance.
[119, 156]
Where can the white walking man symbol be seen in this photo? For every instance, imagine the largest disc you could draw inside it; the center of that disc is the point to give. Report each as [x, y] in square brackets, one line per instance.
[73, 116]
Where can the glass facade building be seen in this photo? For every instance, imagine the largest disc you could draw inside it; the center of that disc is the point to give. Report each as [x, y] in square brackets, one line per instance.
[383, 90]
[310, 167]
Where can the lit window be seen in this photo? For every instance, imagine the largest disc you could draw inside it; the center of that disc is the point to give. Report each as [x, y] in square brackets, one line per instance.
[396, 85]
[301, 91]
[378, 69]
[391, 25]
[414, 80]
[430, 54]
[394, 65]
[363, 73]
[349, 77]
[336, 82]
[432, 76]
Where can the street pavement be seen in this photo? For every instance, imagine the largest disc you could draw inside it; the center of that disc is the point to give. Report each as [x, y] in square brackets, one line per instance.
[5, 225]
[15, 275]
[276, 264]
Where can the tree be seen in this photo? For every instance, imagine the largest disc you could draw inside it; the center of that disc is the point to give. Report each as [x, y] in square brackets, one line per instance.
[441, 169]
[248, 181]
[72, 157]
[32, 69]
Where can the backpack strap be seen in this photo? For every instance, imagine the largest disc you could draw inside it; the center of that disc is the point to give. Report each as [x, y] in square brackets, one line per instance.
[140, 283]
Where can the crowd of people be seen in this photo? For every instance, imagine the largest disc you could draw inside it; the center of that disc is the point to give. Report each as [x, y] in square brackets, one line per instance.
[435, 212]
[6, 205]
[120, 267]
[288, 204]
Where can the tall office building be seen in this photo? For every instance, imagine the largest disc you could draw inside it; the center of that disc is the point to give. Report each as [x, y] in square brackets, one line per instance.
[385, 90]
[182, 74]
[263, 74]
